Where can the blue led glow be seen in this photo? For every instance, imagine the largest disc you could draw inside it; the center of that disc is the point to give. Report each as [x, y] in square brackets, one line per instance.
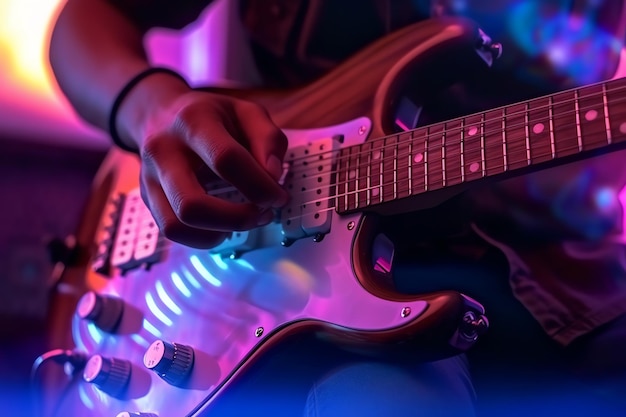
[151, 329]
[245, 264]
[84, 397]
[204, 273]
[219, 261]
[157, 311]
[164, 296]
[140, 341]
[189, 276]
[605, 198]
[178, 283]
[575, 44]
[94, 332]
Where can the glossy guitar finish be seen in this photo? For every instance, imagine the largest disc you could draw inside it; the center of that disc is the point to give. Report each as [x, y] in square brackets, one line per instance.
[226, 309]
[336, 282]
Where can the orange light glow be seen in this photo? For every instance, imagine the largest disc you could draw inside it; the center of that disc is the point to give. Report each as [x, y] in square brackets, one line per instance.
[24, 32]
[28, 91]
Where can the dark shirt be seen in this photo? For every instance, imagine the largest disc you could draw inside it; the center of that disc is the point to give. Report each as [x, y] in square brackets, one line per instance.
[296, 41]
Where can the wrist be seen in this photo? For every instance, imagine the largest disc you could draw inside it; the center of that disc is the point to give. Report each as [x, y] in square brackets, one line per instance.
[143, 97]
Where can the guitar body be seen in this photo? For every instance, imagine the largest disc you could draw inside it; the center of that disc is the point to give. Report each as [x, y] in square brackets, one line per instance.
[330, 274]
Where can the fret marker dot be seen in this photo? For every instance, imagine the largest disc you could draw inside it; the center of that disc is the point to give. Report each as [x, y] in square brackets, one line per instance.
[591, 115]
[472, 131]
[418, 158]
[622, 128]
[376, 155]
[375, 191]
[352, 175]
[538, 128]
[474, 167]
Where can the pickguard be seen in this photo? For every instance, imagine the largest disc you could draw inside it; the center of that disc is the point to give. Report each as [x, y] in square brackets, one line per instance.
[226, 308]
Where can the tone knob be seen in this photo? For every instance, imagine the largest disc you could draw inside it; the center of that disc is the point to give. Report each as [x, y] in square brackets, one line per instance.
[171, 361]
[127, 414]
[105, 311]
[111, 375]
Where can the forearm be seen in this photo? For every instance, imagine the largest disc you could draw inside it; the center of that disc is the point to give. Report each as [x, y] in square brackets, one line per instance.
[94, 51]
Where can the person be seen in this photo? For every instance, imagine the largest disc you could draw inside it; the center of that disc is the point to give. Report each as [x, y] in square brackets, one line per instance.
[181, 133]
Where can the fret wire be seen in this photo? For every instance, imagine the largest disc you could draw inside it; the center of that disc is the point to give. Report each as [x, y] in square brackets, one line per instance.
[498, 166]
[504, 138]
[607, 123]
[482, 144]
[443, 157]
[527, 124]
[527, 129]
[230, 188]
[337, 192]
[381, 189]
[358, 175]
[347, 179]
[426, 159]
[395, 168]
[577, 113]
[510, 126]
[410, 164]
[551, 124]
[615, 89]
[357, 171]
[463, 150]
[369, 178]
[329, 198]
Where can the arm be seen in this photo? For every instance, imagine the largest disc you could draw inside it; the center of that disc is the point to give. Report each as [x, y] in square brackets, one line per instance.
[96, 48]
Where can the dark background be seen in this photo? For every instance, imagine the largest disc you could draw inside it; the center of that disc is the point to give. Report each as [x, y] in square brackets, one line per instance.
[43, 189]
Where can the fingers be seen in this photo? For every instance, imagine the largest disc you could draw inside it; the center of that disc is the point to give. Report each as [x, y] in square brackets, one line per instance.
[169, 224]
[234, 140]
[235, 164]
[183, 210]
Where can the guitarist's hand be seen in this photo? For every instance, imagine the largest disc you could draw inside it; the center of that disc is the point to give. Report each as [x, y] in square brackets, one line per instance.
[191, 137]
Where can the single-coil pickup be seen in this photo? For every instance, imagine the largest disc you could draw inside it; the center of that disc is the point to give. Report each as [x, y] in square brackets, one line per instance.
[309, 179]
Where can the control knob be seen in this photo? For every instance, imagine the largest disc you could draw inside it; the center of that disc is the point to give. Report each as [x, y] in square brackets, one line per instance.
[111, 375]
[105, 311]
[171, 361]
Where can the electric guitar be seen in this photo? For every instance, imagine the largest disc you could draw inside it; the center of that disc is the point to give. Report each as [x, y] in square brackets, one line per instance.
[167, 328]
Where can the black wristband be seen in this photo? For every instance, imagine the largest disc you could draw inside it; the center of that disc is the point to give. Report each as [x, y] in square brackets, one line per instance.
[119, 99]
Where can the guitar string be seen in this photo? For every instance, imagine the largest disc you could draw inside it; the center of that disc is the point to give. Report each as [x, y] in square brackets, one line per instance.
[402, 156]
[381, 187]
[502, 117]
[436, 137]
[381, 198]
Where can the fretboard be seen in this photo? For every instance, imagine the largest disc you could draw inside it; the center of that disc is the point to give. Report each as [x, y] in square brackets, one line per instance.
[511, 139]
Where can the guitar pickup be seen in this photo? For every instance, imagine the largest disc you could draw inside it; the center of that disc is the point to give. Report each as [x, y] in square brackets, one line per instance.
[131, 240]
[309, 182]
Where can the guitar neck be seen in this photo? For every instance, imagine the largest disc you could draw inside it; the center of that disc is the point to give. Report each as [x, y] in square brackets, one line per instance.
[509, 140]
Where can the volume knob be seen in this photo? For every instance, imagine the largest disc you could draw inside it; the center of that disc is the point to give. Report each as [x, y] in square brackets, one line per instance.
[111, 375]
[171, 361]
[105, 311]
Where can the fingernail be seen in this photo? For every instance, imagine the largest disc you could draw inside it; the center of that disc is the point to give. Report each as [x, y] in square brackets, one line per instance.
[265, 217]
[274, 167]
